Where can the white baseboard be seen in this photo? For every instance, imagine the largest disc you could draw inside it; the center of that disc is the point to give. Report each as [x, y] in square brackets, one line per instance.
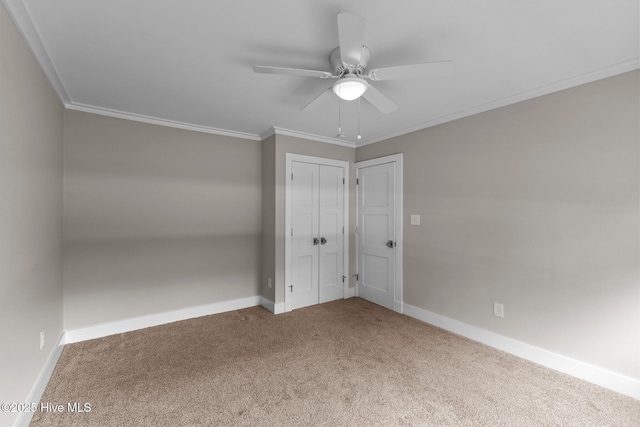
[271, 306]
[602, 377]
[24, 418]
[268, 304]
[279, 308]
[127, 325]
[398, 307]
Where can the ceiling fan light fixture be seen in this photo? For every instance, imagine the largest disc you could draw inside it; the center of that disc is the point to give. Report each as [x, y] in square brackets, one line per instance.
[350, 87]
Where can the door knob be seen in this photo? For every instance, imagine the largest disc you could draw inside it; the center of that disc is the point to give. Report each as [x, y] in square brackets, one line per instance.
[390, 244]
[323, 240]
[315, 241]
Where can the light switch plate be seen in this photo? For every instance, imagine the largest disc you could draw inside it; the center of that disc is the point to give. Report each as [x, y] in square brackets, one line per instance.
[415, 219]
[498, 309]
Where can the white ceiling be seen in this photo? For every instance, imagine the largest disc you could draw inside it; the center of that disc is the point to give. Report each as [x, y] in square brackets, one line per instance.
[189, 63]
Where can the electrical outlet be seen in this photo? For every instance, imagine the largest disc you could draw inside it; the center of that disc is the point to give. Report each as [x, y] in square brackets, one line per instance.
[41, 339]
[269, 282]
[415, 219]
[498, 309]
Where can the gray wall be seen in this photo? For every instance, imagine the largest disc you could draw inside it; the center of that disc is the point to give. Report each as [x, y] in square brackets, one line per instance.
[275, 149]
[269, 217]
[535, 206]
[30, 217]
[156, 219]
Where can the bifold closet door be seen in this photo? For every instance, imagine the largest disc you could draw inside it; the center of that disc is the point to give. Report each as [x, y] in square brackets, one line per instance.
[305, 200]
[331, 229]
[317, 239]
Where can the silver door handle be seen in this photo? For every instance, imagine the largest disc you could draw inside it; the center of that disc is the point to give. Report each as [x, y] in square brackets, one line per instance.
[390, 244]
[323, 240]
[315, 241]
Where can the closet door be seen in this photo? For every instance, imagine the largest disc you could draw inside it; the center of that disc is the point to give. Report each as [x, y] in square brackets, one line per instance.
[331, 229]
[304, 234]
[316, 244]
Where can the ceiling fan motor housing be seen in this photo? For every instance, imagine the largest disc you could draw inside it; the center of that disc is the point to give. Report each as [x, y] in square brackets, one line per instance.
[342, 68]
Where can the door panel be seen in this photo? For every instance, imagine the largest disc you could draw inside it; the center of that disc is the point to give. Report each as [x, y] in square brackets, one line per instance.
[375, 230]
[376, 226]
[331, 229]
[376, 190]
[331, 194]
[304, 223]
[303, 274]
[375, 271]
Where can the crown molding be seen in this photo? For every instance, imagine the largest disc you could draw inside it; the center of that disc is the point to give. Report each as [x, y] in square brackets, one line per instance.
[22, 19]
[267, 133]
[161, 122]
[304, 135]
[589, 77]
[19, 13]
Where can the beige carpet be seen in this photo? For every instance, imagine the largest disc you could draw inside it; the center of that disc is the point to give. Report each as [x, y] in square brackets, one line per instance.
[348, 363]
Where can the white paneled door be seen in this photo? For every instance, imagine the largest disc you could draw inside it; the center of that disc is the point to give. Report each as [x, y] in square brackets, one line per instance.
[304, 234]
[378, 231]
[317, 239]
[330, 230]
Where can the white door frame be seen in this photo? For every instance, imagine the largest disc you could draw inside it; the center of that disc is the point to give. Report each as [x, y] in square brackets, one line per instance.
[290, 158]
[397, 159]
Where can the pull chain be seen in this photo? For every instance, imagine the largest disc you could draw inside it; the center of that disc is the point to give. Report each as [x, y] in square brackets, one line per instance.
[359, 136]
[339, 117]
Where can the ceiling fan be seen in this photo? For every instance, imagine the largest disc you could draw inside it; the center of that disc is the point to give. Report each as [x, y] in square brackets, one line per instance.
[349, 62]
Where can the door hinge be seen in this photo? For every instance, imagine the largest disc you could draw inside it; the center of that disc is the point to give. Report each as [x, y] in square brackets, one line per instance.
[342, 230]
[342, 181]
[291, 176]
[292, 232]
[357, 181]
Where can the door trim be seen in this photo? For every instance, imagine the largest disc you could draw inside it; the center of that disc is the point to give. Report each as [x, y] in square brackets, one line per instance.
[397, 159]
[290, 158]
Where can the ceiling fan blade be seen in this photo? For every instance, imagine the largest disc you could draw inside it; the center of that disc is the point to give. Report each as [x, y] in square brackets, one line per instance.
[378, 100]
[292, 72]
[319, 100]
[426, 69]
[351, 35]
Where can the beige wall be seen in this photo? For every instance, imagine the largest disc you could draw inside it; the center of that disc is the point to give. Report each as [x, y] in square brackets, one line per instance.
[274, 153]
[156, 219]
[30, 217]
[269, 217]
[536, 206]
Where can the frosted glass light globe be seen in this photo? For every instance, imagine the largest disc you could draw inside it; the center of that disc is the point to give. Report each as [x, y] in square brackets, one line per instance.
[350, 87]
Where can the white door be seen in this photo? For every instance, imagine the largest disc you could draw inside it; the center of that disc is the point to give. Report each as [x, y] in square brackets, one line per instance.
[317, 233]
[304, 236]
[378, 231]
[331, 223]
